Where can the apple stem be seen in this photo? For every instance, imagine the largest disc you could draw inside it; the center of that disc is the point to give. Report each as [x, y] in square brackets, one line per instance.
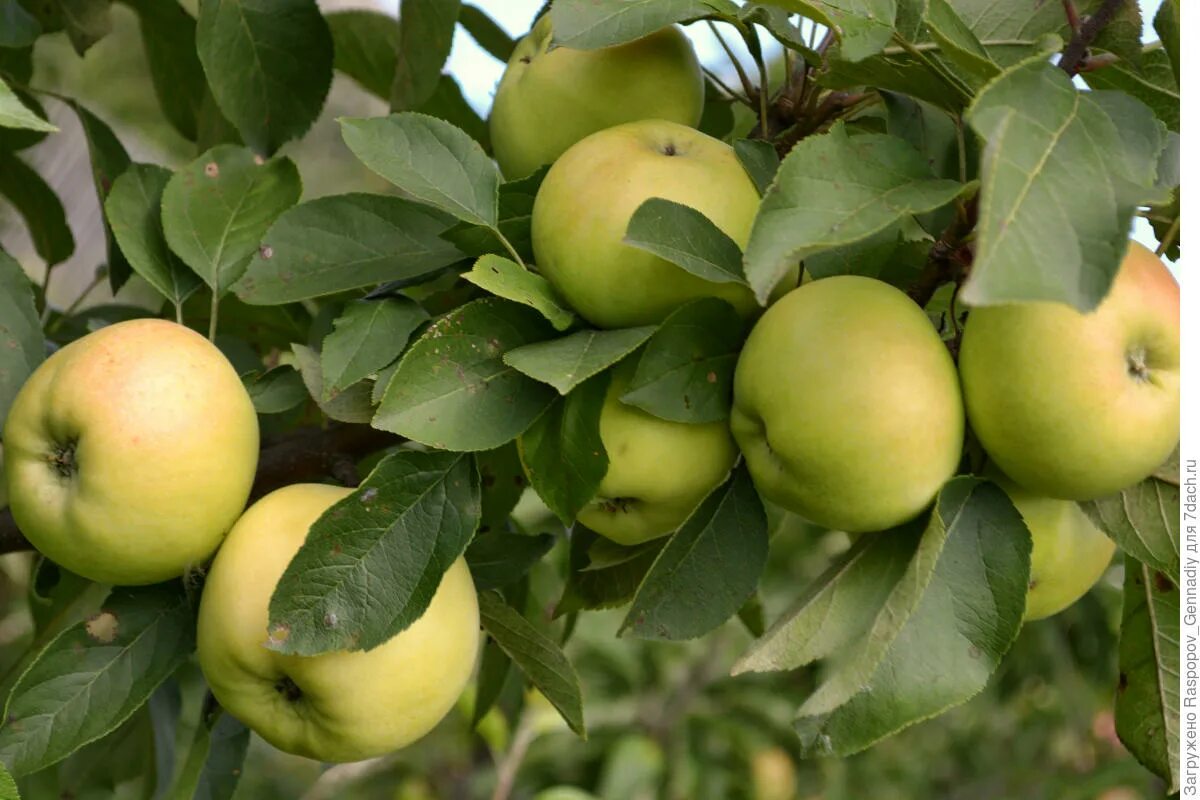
[512, 251]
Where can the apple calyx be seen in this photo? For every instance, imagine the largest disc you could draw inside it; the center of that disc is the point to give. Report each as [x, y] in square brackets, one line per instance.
[288, 688]
[616, 505]
[62, 458]
[1135, 361]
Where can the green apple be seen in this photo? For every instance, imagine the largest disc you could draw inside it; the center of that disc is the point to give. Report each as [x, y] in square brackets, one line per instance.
[548, 100]
[1069, 552]
[1075, 405]
[584, 205]
[846, 405]
[658, 471]
[340, 706]
[130, 452]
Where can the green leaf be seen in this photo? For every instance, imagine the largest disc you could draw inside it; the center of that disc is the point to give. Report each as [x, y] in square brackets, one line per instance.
[372, 561]
[21, 344]
[1147, 706]
[269, 63]
[494, 669]
[486, 33]
[352, 404]
[85, 21]
[348, 241]
[17, 29]
[448, 103]
[431, 161]
[779, 23]
[591, 24]
[709, 568]
[760, 161]
[426, 33]
[367, 337]
[536, 655]
[959, 44]
[503, 482]
[1144, 520]
[515, 222]
[969, 578]
[499, 559]
[13, 139]
[216, 210]
[836, 189]
[133, 209]
[898, 72]
[277, 390]
[927, 128]
[95, 675]
[686, 238]
[563, 453]
[896, 255]
[452, 389]
[1122, 34]
[8, 786]
[214, 760]
[169, 38]
[506, 278]
[685, 373]
[608, 582]
[1154, 84]
[364, 48]
[1166, 25]
[109, 160]
[863, 27]
[1038, 236]
[15, 114]
[39, 206]
[567, 362]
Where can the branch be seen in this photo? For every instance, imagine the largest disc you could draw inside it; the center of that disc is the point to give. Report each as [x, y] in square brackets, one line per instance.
[1089, 29]
[949, 258]
[305, 454]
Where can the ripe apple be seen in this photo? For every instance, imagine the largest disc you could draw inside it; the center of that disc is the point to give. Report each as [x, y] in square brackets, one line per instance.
[1075, 405]
[658, 471]
[586, 200]
[341, 706]
[1069, 552]
[846, 405]
[130, 452]
[548, 100]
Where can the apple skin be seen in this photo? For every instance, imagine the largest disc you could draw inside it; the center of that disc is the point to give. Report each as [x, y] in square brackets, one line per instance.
[658, 471]
[157, 443]
[586, 200]
[1069, 553]
[352, 705]
[1078, 406]
[548, 101]
[846, 405]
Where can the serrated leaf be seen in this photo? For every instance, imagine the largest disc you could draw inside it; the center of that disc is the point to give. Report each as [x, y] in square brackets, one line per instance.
[269, 63]
[836, 189]
[567, 362]
[364, 48]
[39, 206]
[959, 43]
[1147, 706]
[606, 586]
[431, 161]
[277, 390]
[214, 760]
[8, 786]
[591, 24]
[563, 453]
[499, 559]
[95, 675]
[15, 114]
[216, 210]
[863, 27]
[344, 242]
[21, 344]
[1154, 83]
[426, 33]
[374, 559]
[18, 28]
[1144, 521]
[486, 33]
[760, 161]
[506, 278]
[169, 38]
[709, 568]
[1038, 237]
[686, 238]
[368, 336]
[896, 255]
[452, 389]
[352, 404]
[515, 222]
[685, 374]
[536, 655]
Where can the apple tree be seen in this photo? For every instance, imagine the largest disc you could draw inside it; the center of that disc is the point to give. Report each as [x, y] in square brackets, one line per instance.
[353, 459]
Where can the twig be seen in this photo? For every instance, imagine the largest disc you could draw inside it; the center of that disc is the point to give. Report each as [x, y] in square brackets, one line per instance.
[724, 87]
[506, 770]
[1072, 16]
[1075, 52]
[100, 275]
[1169, 239]
[949, 258]
[747, 86]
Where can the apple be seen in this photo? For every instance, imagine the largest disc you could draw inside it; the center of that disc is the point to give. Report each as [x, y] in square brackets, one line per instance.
[1069, 553]
[658, 471]
[586, 200]
[1074, 405]
[130, 452]
[340, 706]
[846, 405]
[548, 100]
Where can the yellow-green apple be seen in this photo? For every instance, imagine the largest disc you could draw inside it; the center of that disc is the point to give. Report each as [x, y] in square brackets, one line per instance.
[1069, 552]
[584, 205]
[548, 100]
[339, 706]
[130, 452]
[1075, 405]
[658, 471]
[846, 405]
